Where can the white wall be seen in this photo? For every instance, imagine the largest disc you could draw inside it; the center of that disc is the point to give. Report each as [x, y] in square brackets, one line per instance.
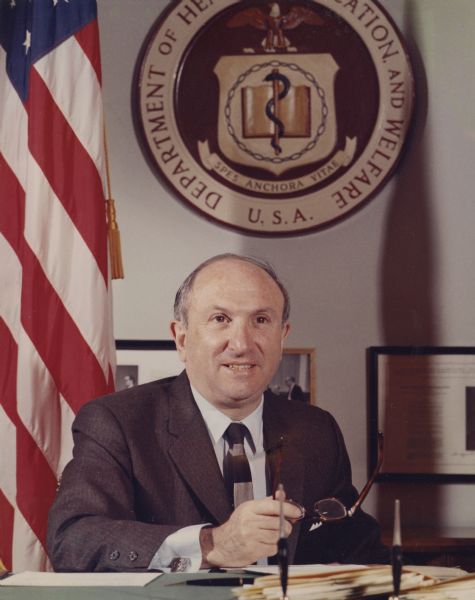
[400, 271]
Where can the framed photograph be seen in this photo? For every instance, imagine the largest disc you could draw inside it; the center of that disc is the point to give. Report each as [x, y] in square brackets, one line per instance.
[296, 378]
[141, 361]
[423, 400]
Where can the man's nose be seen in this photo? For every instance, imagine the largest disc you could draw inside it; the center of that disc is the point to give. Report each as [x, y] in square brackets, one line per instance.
[240, 338]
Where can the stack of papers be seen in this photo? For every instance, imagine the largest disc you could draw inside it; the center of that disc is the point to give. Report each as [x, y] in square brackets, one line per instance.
[333, 584]
[437, 572]
[460, 588]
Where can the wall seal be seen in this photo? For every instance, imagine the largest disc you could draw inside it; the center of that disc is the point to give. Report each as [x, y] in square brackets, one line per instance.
[273, 118]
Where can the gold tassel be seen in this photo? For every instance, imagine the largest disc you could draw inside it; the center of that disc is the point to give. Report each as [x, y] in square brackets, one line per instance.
[113, 233]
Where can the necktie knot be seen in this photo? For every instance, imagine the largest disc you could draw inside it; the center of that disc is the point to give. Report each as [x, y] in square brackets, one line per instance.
[235, 433]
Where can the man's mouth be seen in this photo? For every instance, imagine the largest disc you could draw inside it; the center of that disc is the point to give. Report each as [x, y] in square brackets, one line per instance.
[239, 367]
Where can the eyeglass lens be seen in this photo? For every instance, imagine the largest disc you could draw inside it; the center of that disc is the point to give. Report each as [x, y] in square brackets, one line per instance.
[330, 509]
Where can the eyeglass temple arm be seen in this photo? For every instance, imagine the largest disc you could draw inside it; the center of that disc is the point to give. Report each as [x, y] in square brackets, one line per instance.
[367, 487]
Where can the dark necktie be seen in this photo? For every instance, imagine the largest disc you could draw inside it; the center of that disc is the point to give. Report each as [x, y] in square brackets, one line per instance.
[236, 470]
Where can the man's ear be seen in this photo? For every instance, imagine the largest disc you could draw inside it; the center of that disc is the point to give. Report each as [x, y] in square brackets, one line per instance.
[178, 331]
[285, 331]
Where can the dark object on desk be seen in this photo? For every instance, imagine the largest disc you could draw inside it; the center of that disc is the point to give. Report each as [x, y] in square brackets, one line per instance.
[222, 581]
[396, 551]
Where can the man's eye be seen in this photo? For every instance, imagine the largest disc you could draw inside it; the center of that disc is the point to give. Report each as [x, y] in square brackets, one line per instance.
[220, 318]
[262, 319]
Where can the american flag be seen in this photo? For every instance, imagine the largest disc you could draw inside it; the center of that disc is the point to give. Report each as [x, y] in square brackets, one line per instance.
[56, 343]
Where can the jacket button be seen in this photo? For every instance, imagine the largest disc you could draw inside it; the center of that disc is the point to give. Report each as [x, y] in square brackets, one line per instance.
[132, 555]
[114, 555]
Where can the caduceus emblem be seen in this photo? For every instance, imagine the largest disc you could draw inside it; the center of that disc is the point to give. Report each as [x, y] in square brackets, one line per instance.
[272, 106]
[276, 102]
[274, 23]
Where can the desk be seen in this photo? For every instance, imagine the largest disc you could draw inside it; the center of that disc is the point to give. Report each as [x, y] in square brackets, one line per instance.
[165, 587]
[447, 547]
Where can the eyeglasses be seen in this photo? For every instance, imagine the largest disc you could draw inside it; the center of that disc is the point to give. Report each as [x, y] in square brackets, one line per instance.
[332, 509]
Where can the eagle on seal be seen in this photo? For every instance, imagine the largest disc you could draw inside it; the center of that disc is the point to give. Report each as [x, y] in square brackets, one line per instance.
[275, 23]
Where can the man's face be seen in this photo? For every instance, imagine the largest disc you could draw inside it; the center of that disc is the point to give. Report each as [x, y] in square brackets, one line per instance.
[233, 342]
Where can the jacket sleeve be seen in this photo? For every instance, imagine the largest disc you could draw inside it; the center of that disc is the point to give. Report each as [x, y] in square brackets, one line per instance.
[92, 524]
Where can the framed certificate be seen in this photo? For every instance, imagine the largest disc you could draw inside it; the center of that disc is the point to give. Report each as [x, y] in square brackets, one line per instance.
[423, 400]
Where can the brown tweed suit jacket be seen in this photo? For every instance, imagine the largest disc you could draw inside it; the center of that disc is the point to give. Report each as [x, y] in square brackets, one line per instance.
[143, 467]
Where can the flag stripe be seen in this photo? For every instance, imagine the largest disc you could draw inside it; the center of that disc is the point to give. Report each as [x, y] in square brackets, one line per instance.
[8, 436]
[87, 38]
[6, 527]
[42, 419]
[12, 216]
[11, 224]
[8, 412]
[27, 549]
[67, 418]
[13, 130]
[36, 483]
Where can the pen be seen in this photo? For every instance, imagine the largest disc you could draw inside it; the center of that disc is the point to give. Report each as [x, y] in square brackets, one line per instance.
[396, 552]
[282, 549]
[221, 581]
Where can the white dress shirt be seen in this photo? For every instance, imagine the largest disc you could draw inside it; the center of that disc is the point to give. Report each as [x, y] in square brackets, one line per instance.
[185, 543]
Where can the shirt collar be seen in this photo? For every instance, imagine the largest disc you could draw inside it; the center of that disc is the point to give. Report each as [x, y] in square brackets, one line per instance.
[217, 422]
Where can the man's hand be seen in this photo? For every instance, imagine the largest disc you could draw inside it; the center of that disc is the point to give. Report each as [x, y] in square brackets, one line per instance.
[250, 533]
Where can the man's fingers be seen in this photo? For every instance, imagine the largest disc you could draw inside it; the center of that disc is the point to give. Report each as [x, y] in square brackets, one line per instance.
[271, 524]
[269, 506]
[263, 523]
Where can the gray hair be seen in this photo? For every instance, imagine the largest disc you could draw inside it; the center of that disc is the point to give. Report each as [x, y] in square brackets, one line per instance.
[182, 297]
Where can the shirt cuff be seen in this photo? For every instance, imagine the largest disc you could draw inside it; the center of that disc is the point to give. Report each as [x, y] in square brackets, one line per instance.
[183, 544]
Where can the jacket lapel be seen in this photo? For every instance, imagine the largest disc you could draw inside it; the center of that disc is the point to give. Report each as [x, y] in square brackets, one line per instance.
[191, 450]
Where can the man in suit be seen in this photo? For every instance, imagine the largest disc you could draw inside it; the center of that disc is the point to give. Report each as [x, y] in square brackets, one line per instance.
[145, 488]
[295, 391]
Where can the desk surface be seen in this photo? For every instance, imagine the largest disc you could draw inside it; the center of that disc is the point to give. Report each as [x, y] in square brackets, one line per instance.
[435, 540]
[165, 587]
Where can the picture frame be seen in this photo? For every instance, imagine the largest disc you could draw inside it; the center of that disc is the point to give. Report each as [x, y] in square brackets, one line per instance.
[423, 400]
[141, 361]
[301, 365]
